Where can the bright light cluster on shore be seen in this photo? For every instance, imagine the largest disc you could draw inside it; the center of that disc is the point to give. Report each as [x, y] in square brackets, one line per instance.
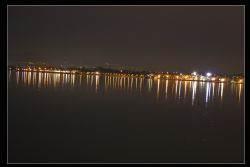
[209, 74]
[194, 76]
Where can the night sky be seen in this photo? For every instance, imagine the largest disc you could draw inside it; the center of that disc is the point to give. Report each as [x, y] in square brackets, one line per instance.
[161, 38]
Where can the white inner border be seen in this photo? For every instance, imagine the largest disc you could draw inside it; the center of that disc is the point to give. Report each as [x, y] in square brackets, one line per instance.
[122, 6]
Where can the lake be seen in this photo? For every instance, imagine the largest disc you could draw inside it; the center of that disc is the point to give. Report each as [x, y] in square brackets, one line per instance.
[59, 118]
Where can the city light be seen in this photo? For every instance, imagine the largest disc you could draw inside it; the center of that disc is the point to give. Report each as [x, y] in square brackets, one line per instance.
[213, 79]
[157, 77]
[168, 76]
[209, 74]
[222, 79]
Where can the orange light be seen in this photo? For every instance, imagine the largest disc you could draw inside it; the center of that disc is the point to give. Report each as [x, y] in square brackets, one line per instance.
[222, 79]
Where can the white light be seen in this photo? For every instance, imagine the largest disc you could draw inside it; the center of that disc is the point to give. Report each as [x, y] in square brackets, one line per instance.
[209, 74]
[194, 73]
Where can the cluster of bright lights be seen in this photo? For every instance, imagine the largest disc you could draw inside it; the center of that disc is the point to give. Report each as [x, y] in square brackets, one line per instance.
[194, 73]
[45, 70]
[209, 74]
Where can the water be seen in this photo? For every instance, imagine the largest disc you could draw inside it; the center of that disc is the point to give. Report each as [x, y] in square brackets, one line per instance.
[102, 119]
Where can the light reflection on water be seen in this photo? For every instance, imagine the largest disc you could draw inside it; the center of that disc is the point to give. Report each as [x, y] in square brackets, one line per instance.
[166, 88]
[100, 117]
[194, 87]
[171, 88]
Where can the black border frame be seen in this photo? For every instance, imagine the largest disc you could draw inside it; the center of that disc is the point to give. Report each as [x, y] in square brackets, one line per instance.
[3, 54]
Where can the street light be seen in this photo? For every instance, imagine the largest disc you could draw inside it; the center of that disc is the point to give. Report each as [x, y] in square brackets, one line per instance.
[209, 74]
[194, 73]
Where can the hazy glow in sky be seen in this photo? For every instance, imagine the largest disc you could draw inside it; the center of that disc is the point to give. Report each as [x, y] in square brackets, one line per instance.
[166, 38]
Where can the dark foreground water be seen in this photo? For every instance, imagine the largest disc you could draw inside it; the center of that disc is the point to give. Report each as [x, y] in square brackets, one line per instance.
[97, 119]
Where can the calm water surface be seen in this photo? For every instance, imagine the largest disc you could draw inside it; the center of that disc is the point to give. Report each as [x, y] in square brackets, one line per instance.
[88, 118]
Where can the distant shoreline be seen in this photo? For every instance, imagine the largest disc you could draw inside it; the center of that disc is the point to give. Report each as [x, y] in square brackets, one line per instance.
[236, 79]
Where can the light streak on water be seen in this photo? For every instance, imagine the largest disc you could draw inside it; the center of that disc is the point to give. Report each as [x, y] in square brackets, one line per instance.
[65, 80]
[208, 89]
[185, 89]
[213, 85]
[47, 78]
[72, 79]
[173, 88]
[105, 84]
[23, 77]
[166, 90]
[176, 87]
[28, 78]
[91, 80]
[194, 91]
[158, 88]
[132, 83]
[179, 90]
[17, 78]
[221, 90]
[240, 91]
[96, 83]
[87, 80]
[218, 89]
[140, 84]
[124, 82]
[116, 82]
[121, 81]
[44, 79]
[80, 80]
[149, 84]
[135, 83]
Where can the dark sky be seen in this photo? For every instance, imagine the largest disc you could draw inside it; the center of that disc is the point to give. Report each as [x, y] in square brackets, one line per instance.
[162, 38]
